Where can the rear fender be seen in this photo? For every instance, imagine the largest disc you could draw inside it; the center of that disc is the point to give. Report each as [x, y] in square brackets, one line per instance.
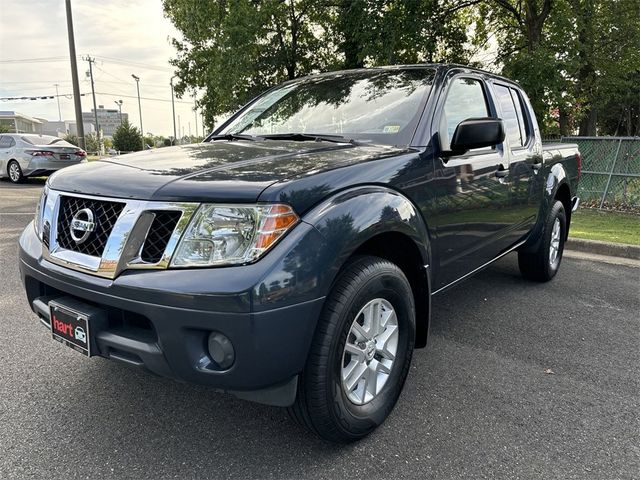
[556, 177]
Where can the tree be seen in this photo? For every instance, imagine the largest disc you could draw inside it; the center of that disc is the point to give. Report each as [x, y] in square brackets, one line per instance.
[72, 139]
[236, 49]
[4, 128]
[575, 58]
[90, 142]
[127, 138]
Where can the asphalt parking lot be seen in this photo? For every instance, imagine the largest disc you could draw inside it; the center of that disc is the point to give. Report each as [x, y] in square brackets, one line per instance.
[477, 404]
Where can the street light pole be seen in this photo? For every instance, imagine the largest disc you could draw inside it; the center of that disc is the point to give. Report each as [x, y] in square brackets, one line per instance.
[119, 103]
[95, 106]
[74, 76]
[173, 111]
[137, 79]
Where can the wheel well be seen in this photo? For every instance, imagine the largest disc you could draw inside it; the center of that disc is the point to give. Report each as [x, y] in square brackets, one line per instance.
[401, 250]
[564, 195]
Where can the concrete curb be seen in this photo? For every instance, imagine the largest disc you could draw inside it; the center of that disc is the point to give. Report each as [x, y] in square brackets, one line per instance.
[604, 248]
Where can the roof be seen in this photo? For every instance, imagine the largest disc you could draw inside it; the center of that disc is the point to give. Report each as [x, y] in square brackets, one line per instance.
[435, 66]
[12, 114]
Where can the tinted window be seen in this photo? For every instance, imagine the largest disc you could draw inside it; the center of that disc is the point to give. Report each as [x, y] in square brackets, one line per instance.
[465, 99]
[377, 105]
[509, 116]
[40, 139]
[5, 141]
[522, 118]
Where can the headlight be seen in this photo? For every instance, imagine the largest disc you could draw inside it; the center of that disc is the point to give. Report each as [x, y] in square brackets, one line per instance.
[232, 234]
[37, 221]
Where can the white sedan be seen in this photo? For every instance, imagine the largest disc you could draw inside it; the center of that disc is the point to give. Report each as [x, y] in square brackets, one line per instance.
[31, 155]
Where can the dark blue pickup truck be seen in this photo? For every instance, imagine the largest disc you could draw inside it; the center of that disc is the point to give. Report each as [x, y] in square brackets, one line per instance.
[291, 257]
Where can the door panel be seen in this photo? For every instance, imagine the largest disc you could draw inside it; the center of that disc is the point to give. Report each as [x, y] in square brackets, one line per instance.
[470, 191]
[524, 160]
[469, 213]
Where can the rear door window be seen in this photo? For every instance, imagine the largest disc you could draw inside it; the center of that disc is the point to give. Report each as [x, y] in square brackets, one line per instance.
[5, 141]
[509, 116]
[523, 120]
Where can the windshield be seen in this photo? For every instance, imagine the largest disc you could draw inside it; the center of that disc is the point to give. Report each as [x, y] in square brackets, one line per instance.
[378, 106]
[41, 139]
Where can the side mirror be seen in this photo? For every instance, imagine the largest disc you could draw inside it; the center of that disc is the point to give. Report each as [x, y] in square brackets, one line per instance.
[476, 133]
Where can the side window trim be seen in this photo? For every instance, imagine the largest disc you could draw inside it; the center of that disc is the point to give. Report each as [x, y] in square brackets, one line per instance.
[526, 114]
[528, 124]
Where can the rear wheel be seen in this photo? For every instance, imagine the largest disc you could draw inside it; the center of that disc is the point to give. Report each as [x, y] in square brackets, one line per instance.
[543, 264]
[14, 172]
[361, 352]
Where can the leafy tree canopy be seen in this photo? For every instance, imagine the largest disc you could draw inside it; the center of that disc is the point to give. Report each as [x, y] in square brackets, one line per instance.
[578, 60]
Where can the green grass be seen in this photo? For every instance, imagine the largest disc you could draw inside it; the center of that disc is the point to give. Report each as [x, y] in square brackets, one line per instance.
[605, 226]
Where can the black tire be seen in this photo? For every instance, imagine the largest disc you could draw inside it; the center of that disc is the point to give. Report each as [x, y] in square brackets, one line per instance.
[538, 265]
[15, 166]
[322, 405]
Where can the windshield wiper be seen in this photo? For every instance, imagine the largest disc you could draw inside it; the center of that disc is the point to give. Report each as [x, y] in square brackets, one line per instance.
[233, 136]
[305, 137]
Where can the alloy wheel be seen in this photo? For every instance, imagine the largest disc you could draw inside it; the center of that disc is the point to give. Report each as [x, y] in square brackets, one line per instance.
[370, 351]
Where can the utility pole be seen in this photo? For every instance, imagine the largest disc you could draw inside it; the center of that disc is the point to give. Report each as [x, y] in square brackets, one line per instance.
[58, 98]
[74, 76]
[180, 141]
[173, 111]
[93, 94]
[137, 79]
[119, 103]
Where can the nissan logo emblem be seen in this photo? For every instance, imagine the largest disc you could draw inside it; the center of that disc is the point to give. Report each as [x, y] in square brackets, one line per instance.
[82, 224]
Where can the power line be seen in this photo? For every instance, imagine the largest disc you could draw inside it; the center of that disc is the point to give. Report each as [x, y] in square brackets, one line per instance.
[121, 61]
[35, 60]
[133, 63]
[70, 95]
[142, 98]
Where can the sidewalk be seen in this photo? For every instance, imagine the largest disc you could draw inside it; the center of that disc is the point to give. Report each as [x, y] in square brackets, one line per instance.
[604, 248]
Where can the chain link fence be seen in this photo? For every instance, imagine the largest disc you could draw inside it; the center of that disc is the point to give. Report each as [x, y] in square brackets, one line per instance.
[610, 171]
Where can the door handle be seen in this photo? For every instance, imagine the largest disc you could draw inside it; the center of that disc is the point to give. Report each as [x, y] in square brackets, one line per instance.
[502, 173]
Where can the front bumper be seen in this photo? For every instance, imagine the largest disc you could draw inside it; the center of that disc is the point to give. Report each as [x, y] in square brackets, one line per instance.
[161, 320]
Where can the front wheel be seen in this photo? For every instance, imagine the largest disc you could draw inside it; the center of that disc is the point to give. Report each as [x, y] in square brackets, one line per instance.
[15, 172]
[361, 352]
[543, 264]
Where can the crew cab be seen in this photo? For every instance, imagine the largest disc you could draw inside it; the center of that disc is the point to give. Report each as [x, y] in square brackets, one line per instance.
[291, 257]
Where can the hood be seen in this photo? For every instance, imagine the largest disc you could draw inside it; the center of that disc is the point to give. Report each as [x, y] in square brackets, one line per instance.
[222, 171]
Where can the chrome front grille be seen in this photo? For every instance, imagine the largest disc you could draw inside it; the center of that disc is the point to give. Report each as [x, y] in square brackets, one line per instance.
[162, 227]
[106, 215]
[46, 234]
[122, 234]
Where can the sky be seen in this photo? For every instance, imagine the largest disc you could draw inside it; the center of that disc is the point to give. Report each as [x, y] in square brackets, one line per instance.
[125, 37]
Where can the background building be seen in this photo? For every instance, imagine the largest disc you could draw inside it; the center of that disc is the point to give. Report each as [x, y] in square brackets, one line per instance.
[63, 128]
[20, 123]
[108, 119]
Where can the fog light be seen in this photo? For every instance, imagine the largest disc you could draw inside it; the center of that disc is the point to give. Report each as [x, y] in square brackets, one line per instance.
[221, 350]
